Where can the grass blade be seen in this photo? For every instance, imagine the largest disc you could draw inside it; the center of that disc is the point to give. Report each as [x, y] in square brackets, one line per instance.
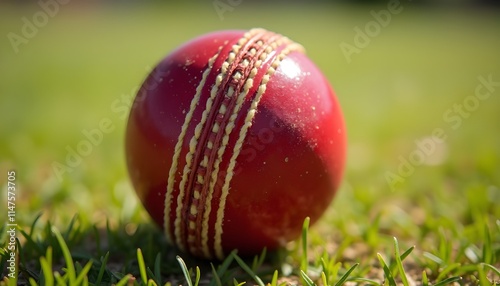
[97, 237]
[306, 279]
[334, 271]
[197, 277]
[32, 282]
[447, 270]
[70, 267]
[444, 248]
[387, 271]
[124, 281]
[71, 225]
[407, 252]
[433, 257]
[142, 266]
[483, 280]
[185, 270]
[324, 280]
[12, 281]
[236, 283]
[487, 251]
[259, 259]
[216, 279]
[31, 242]
[492, 268]
[83, 273]
[247, 269]
[274, 280]
[399, 263]
[35, 221]
[46, 264]
[157, 272]
[448, 281]
[225, 265]
[59, 279]
[305, 229]
[346, 275]
[325, 272]
[222, 268]
[104, 262]
[425, 281]
[364, 280]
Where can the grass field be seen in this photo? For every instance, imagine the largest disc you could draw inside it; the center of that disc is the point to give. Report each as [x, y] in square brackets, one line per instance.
[421, 73]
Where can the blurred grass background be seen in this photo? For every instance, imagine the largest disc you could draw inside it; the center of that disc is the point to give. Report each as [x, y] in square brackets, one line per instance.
[66, 78]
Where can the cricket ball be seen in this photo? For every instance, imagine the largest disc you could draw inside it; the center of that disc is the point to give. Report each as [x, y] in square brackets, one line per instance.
[232, 140]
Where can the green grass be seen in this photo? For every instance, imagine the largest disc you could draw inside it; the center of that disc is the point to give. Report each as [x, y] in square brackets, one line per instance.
[441, 225]
[134, 268]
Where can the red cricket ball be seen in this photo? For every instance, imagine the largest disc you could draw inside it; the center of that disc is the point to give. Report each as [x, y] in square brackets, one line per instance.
[233, 139]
